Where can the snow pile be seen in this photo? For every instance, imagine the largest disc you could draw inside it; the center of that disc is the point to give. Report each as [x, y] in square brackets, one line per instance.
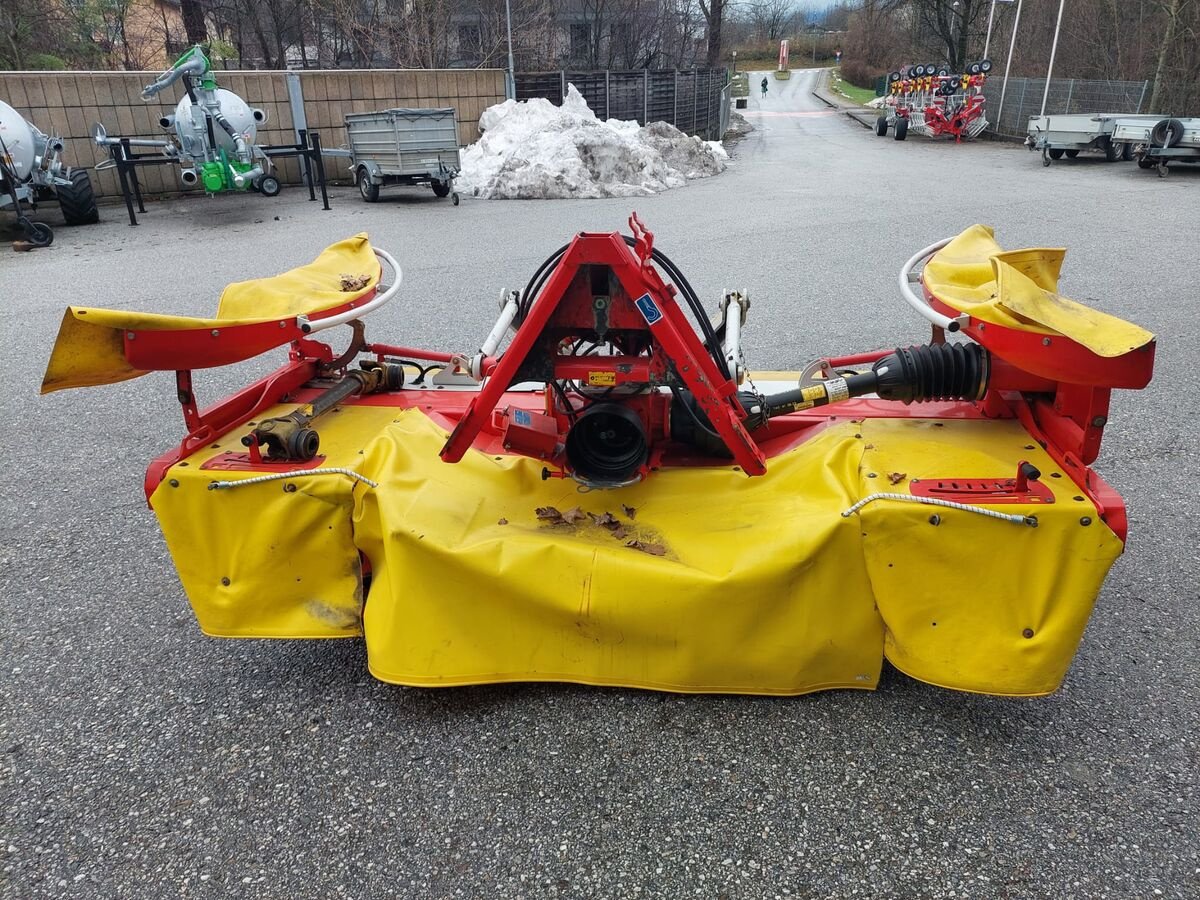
[536, 150]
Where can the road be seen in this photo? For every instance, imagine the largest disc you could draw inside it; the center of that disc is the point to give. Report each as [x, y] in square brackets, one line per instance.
[139, 759]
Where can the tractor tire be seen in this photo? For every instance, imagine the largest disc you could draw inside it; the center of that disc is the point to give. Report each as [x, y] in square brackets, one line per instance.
[78, 202]
[1146, 163]
[1112, 150]
[985, 66]
[1167, 133]
[441, 188]
[366, 187]
[1071, 154]
[881, 126]
[973, 69]
[901, 129]
[1056, 153]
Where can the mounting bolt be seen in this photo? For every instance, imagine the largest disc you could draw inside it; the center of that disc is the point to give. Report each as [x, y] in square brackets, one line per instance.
[1100, 421]
[225, 581]
[1086, 520]
[871, 475]
[935, 519]
[289, 488]
[215, 332]
[1045, 342]
[173, 483]
[1027, 633]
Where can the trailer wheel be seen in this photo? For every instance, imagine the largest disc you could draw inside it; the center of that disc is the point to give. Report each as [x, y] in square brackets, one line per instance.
[881, 126]
[366, 187]
[37, 233]
[1146, 163]
[901, 129]
[1112, 150]
[1056, 153]
[440, 188]
[1071, 154]
[1167, 133]
[454, 198]
[1126, 152]
[268, 186]
[78, 202]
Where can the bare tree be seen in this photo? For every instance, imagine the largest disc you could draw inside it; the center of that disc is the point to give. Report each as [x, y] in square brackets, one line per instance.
[714, 17]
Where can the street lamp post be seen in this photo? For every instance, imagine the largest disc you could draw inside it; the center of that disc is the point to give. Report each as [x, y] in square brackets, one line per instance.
[953, 13]
[1053, 50]
[734, 62]
[987, 41]
[1011, 44]
[512, 72]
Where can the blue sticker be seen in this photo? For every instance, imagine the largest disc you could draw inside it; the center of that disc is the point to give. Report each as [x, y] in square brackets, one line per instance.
[648, 308]
[522, 417]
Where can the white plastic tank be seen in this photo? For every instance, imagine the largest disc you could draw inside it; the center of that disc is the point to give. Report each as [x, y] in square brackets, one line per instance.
[190, 127]
[19, 141]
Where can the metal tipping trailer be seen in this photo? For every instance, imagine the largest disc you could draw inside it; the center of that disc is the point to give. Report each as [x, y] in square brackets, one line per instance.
[404, 146]
[1057, 136]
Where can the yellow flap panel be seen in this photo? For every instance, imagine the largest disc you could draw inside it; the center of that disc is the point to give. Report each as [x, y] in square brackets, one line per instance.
[306, 289]
[1019, 289]
[89, 349]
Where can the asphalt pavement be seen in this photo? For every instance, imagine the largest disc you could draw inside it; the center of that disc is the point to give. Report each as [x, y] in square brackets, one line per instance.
[140, 759]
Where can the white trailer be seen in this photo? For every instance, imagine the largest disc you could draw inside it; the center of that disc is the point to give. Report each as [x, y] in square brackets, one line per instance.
[1157, 144]
[1069, 135]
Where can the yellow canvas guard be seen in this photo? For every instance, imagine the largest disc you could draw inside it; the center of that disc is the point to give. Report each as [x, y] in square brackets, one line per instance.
[762, 587]
[1019, 289]
[90, 348]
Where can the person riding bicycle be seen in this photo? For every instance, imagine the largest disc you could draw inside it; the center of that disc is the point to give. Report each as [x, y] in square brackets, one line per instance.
[764, 86]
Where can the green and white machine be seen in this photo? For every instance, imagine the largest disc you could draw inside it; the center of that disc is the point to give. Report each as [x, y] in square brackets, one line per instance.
[215, 131]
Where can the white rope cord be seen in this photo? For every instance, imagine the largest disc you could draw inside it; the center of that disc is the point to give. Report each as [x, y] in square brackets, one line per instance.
[279, 476]
[948, 504]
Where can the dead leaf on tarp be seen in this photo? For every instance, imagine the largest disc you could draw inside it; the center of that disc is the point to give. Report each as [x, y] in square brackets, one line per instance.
[351, 283]
[620, 533]
[573, 515]
[608, 520]
[629, 511]
[502, 522]
[548, 514]
[868, 446]
[652, 549]
[897, 477]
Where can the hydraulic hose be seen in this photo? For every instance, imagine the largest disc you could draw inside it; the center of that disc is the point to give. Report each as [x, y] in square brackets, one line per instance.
[913, 375]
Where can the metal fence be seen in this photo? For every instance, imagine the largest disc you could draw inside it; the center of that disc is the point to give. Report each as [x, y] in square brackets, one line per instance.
[1023, 98]
[691, 100]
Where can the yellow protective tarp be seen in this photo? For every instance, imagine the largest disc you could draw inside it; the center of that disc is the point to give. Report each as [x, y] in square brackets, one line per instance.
[90, 348]
[763, 586]
[1019, 289]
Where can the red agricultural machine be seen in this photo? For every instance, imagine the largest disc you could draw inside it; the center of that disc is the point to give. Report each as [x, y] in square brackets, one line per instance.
[602, 492]
[930, 100]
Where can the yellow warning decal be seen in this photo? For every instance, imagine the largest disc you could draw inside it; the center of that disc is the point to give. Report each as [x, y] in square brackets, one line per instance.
[602, 379]
[816, 392]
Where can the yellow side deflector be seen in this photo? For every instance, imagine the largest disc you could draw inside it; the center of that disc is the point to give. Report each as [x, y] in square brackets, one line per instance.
[90, 346]
[763, 586]
[1019, 289]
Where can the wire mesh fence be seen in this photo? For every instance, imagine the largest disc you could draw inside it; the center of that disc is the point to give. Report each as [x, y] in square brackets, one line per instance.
[1023, 98]
[689, 99]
